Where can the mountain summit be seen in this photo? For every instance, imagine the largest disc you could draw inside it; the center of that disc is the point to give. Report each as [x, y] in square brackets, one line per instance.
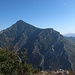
[47, 48]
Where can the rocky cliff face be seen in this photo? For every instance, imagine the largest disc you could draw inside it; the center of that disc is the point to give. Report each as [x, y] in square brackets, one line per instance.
[47, 48]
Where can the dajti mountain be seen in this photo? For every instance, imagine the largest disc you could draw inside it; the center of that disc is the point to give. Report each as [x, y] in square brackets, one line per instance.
[47, 48]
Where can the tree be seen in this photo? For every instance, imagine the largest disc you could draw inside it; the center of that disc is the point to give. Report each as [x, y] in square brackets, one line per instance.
[12, 64]
[27, 69]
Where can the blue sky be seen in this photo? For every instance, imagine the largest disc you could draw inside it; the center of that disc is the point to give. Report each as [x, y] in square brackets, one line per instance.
[57, 14]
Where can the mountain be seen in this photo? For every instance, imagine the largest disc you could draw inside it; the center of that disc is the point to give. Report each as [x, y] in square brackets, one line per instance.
[47, 48]
[71, 39]
[70, 35]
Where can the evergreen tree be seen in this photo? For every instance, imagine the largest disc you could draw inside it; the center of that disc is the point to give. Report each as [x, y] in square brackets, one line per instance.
[12, 64]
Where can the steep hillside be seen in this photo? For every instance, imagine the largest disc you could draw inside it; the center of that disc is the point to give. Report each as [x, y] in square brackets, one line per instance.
[47, 48]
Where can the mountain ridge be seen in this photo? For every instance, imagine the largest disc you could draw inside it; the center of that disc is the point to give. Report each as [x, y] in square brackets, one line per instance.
[47, 48]
[70, 35]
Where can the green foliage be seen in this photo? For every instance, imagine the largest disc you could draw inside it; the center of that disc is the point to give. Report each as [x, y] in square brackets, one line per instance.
[11, 64]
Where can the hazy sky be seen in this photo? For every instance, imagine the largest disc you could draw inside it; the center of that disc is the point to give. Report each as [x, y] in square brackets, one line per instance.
[57, 14]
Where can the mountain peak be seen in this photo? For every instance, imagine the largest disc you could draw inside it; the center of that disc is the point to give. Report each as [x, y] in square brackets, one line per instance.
[23, 23]
[46, 47]
[20, 21]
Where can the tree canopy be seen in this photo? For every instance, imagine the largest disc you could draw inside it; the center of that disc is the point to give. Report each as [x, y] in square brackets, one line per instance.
[12, 64]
